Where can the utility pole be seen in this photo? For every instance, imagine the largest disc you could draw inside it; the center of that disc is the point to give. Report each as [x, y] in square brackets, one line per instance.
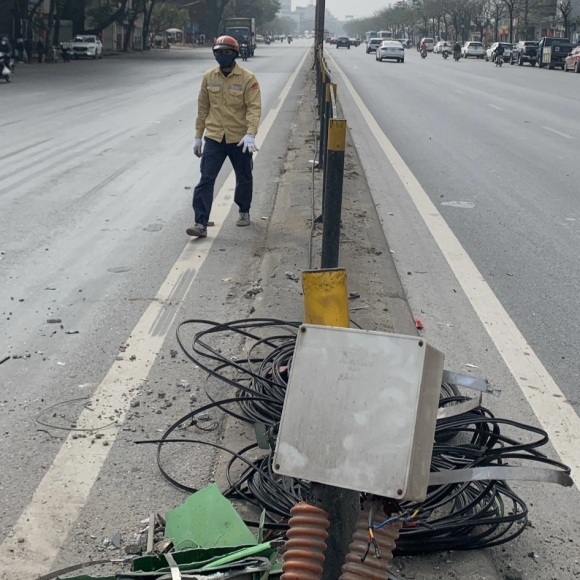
[319, 24]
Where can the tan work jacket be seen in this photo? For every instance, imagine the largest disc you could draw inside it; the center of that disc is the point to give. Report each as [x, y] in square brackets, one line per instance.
[229, 106]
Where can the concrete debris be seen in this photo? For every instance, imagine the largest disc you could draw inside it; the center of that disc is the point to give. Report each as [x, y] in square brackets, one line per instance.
[256, 288]
[292, 276]
[54, 321]
[133, 549]
[116, 540]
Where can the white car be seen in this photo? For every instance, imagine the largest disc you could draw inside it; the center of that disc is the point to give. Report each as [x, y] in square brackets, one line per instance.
[373, 44]
[390, 49]
[429, 42]
[260, 38]
[474, 49]
[87, 45]
[507, 51]
[442, 44]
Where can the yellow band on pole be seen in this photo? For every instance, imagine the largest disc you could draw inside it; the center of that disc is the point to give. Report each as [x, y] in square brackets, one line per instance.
[325, 297]
[337, 135]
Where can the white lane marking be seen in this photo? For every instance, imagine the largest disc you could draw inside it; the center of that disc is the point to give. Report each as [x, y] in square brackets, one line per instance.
[495, 107]
[556, 132]
[546, 399]
[63, 491]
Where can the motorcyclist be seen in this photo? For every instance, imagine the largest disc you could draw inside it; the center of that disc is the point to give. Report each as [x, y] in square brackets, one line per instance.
[498, 52]
[7, 50]
[245, 49]
[423, 46]
[457, 48]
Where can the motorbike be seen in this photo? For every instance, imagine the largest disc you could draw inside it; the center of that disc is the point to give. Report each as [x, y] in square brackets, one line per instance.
[267, 41]
[6, 71]
[456, 56]
[498, 60]
[423, 54]
[244, 51]
[445, 54]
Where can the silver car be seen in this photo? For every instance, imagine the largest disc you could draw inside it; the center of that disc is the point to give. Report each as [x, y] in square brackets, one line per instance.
[473, 49]
[390, 49]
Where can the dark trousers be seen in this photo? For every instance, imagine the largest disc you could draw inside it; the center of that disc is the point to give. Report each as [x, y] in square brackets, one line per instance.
[212, 159]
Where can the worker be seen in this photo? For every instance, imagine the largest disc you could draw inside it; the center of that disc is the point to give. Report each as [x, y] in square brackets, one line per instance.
[228, 113]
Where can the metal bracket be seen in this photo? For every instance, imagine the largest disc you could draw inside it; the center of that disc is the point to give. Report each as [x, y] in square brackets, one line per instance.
[469, 382]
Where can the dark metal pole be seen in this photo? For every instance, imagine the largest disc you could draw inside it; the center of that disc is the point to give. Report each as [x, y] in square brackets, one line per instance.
[331, 213]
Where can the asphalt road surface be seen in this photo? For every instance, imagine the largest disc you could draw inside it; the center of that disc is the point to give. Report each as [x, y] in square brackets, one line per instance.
[506, 140]
[96, 177]
[477, 191]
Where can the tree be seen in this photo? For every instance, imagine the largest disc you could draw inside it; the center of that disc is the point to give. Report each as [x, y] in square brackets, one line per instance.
[168, 15]
[512, 7]
[262, 10]
[565, 7]
[497, 11]
[104, 21]
[215, 12]
[283, 26]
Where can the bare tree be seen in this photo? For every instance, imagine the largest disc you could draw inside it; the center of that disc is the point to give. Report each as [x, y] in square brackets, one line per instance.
[512, 7]
[497, 11]
[565, 7]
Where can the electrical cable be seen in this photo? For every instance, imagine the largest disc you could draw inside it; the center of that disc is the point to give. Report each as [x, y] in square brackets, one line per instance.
[458, 516]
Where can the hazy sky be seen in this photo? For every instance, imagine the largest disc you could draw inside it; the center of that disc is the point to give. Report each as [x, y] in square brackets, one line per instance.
[340, 8]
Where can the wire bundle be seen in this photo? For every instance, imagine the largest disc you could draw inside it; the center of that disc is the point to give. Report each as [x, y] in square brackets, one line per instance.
[457, 516]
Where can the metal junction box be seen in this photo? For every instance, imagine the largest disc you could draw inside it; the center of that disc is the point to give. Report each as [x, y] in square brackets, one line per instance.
[360, 411]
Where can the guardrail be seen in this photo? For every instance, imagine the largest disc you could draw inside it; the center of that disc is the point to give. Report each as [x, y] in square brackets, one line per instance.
[332, 149]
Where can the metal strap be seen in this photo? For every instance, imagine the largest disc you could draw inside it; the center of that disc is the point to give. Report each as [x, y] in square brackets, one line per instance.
[173, 567]
[469, 382]
[500, 473]
[460, 408]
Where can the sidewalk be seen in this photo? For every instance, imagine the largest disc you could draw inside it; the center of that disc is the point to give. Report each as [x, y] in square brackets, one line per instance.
[378, 301]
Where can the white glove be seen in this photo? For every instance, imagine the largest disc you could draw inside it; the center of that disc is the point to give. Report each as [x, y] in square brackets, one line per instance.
[197, 147]
[249, 144]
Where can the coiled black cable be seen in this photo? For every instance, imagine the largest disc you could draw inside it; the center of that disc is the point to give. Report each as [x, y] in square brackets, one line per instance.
[459, 516]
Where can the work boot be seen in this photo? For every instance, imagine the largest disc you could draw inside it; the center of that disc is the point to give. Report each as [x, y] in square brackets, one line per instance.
[197, 231]
[243, 219]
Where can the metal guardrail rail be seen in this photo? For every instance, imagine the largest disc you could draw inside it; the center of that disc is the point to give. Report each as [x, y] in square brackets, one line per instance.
[332, 143]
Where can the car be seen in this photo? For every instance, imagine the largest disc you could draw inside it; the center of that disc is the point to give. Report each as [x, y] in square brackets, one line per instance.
[373, 44]
[440, 46]
[260, 38]
[429, 42]
[328, 39]
[572, 61]
[333, 40]
[343, 41]
[87, 45]
[354, 41]
[405, 42]
[472, 48]
[507, 51]
[524, 51]
[390, 49]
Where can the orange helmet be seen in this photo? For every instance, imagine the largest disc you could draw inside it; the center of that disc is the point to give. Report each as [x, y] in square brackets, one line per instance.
[226, 42]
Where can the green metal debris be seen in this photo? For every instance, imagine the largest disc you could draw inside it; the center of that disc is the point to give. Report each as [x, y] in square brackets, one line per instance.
[208, 536]
[207, 520]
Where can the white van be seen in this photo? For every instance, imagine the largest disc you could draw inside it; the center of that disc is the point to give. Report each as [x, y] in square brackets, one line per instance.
[429, 42]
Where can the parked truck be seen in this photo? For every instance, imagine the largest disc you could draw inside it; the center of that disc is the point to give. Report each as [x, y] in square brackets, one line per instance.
[241, 29]
[552, 52]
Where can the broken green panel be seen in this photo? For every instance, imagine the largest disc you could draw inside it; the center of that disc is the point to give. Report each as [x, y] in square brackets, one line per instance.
[207, 520]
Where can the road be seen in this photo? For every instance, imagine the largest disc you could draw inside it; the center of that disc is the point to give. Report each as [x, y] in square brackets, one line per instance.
[479, 205]
[96, 176]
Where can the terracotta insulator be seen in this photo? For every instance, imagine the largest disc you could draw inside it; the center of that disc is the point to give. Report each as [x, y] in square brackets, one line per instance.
[305, 546]
[372, 568]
